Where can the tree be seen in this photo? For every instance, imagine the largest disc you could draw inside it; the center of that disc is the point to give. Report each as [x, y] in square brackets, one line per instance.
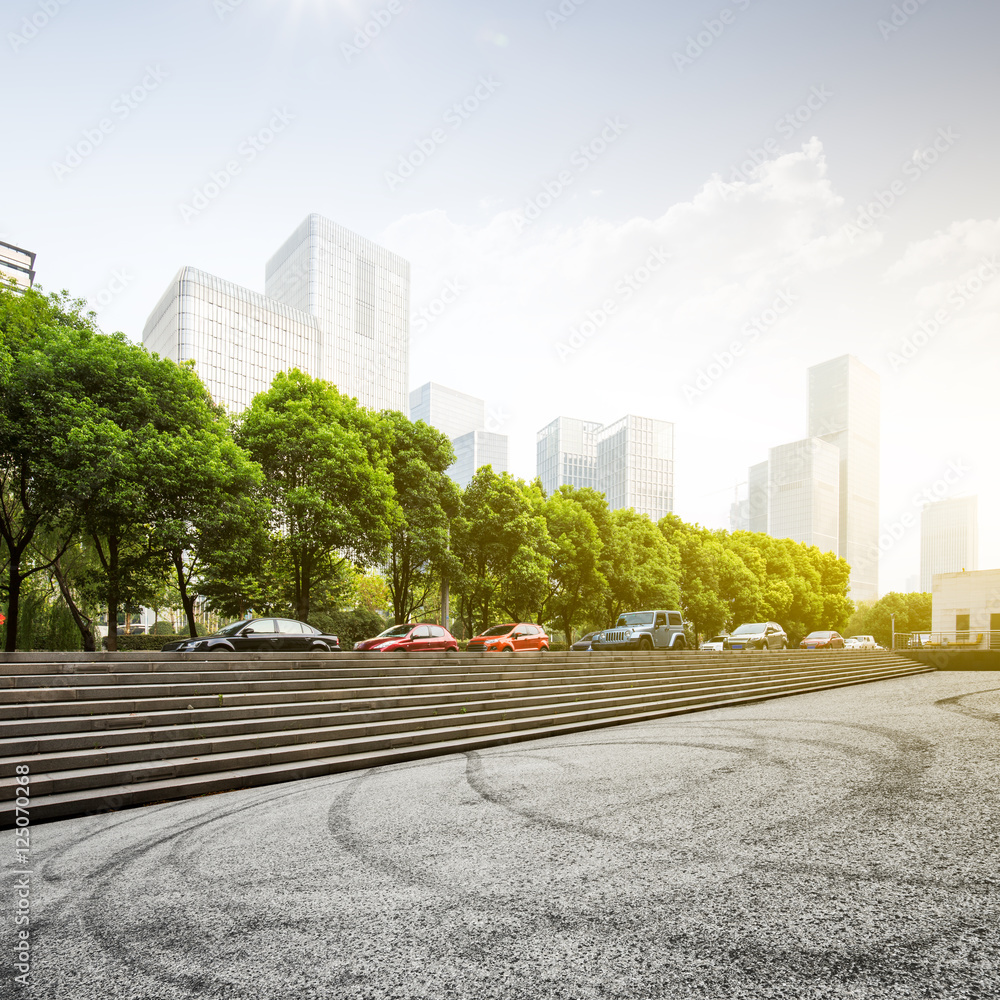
[575, 579]
[57, 446]
[326, 477]
[912, 612]
[427, 499]
[502, 543]
[641, 567]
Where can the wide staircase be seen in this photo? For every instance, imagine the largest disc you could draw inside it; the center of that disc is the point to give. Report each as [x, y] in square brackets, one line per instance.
[104, 731]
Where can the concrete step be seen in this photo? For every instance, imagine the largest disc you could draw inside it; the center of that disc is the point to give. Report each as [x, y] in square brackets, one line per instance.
[137, 787]
[58, 753]
[243, 715]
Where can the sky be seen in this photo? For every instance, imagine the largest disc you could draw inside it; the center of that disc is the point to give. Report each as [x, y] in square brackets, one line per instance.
[668, 209]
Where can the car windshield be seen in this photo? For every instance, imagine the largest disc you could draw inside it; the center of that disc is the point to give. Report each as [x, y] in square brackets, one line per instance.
[819, 635]
[750, 629]
[395, 632]
[233, 628]
[636, 618]
[498, 630]
[717, 638]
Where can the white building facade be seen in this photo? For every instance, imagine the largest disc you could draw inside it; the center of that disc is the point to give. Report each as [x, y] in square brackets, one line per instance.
[630, 461]
[804, 490]
[463, 419]
[949, 538]
[335, 305]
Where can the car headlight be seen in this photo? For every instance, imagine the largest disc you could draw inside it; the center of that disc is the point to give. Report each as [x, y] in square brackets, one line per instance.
[382, 645]
[191, 645]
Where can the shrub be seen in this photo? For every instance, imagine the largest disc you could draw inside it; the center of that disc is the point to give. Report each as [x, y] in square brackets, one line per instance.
[162, 628]
[147, 643]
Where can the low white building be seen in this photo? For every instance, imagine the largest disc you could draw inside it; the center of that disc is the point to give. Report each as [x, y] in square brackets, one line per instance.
[965, 605]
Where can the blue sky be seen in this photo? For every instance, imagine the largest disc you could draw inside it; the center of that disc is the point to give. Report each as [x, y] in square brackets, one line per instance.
[552, 151]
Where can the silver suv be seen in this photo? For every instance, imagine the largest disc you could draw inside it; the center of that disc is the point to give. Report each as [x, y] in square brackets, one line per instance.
[757, 635]
[643, 630]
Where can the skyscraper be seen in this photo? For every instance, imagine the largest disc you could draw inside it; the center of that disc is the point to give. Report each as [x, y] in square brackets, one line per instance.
[844, 411]
[635, 465]
[566, 453]
[17, 265]
[630, 461]
[335, 305]
[823, 490]
[463, 418]
[804, 485]
[949, 538]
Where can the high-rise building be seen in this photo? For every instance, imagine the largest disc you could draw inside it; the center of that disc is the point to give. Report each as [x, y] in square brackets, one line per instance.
[473, 451]
[566, 452]
[949, 538]
[453, 412]
[463, 418]
[804, 490]
[17, 265]
[758, 497]
[823, 490]
[335, 305]
[844, 411]
[635, 465]
[630, 461]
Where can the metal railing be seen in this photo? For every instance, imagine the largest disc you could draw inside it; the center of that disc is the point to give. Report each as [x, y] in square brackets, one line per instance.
[964, 639]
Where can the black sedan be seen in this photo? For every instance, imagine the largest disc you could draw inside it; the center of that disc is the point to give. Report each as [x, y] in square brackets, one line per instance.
[582, 645]
[277, 635]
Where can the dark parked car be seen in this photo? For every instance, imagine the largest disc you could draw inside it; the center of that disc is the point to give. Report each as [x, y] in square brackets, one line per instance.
[415, 637]
[276, 635]
[582, 645]
[757, 635]
[510, 638]
[822, 640]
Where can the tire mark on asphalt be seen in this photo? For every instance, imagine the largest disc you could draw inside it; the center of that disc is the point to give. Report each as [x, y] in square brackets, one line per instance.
[956, 705]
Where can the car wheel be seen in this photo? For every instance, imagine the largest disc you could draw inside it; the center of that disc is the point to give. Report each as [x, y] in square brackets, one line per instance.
[543, 649]
[679, 644]
[645, 643]
[320, 647]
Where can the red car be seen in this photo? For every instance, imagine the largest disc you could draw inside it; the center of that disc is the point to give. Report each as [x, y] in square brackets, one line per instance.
[416, 637]
[510, 638]
[822, 640]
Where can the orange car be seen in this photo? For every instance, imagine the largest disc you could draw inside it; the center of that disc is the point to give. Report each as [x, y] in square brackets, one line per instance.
[510, 638]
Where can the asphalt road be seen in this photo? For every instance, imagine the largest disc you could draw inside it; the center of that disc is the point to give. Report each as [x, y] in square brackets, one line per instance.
[839, 844]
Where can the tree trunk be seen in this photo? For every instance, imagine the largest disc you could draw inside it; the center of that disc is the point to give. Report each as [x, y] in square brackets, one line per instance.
[83, 623]
[13, 601]
[113, 593]
[187, 600]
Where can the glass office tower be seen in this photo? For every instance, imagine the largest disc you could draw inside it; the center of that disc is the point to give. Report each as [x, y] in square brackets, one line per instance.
[566, 454]
[949, 538]
[360, 293]
[453, 412]
[335, 305]
[635, 465]
[804, 490]
[463, 418]
[844, 411]
[238, 339]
